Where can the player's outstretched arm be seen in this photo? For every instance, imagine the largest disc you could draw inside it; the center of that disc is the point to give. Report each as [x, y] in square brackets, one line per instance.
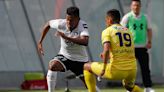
[44, 32]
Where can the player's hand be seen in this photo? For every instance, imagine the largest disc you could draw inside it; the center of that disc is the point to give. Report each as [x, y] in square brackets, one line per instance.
[40, 49]
[101, 56]
[148, 45]
[56, 34]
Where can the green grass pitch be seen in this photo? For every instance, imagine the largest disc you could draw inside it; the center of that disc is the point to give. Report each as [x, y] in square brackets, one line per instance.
[157, 89]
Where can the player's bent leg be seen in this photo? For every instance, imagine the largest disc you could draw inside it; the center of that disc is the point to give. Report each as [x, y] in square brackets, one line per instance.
[83, 80]
[90, 81]
[129, 82]
[136, 89]
[90, 78]
[54, 66]
[51, 80]
[131, 87]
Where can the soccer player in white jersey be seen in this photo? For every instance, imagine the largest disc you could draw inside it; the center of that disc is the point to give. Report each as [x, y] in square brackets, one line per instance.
[74, 36]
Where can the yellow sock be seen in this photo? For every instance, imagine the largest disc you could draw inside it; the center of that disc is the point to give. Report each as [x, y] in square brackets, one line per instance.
[90, 81]
[136, 89]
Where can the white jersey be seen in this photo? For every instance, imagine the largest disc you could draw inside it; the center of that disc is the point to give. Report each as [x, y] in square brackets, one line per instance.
[70, 50]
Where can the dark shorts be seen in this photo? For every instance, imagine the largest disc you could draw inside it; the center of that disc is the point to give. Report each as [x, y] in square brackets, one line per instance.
[74, 66]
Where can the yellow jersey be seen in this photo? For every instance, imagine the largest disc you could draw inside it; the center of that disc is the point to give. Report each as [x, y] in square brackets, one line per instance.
[122, 55]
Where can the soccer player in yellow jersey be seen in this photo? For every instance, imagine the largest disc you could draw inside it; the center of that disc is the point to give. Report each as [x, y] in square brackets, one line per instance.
[118, 46]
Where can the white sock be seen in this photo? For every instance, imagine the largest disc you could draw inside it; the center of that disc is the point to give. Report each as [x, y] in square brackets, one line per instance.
[51, 80]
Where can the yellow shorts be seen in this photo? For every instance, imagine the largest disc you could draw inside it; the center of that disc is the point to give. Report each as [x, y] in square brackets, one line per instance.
[127, 76]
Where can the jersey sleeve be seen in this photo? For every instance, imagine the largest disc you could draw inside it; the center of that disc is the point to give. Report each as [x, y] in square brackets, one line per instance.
[124, 20]
[84, 30]
[58, 24]
[54, 23]
[105, 37]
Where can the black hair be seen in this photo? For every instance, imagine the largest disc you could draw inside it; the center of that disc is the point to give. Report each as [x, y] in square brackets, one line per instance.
[115, 15]
[73, 11]
[137, 1]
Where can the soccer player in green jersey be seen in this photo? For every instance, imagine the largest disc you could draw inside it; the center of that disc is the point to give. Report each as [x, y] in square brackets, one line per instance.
[139, 25]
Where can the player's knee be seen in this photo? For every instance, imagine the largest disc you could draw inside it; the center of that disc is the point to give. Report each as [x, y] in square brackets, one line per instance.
[55, 66]
[50, 66]
[87, 66]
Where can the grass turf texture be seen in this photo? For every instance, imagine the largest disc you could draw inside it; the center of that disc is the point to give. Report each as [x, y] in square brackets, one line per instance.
[157, 89]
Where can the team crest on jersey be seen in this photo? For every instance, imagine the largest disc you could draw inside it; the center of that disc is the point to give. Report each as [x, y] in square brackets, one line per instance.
[85, 26]
[72, 34]
[69, 43]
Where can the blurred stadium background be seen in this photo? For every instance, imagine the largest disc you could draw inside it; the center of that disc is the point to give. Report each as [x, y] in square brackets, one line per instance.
[21, 22]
